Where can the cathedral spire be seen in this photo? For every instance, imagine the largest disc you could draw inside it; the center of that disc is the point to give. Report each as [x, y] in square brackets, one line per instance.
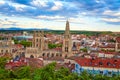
[67, 30]
[67, 42]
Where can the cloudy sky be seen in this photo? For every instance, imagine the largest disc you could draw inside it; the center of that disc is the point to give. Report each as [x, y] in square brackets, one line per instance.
[95, 15]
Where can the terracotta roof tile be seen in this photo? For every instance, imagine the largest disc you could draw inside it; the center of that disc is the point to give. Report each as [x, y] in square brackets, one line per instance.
[105, 63]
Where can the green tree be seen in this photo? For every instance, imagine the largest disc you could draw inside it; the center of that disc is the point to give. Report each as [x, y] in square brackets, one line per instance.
[45, 73]
[51, 46]
[83, 49]
[3, 74]
[23, 72]
[3, 62]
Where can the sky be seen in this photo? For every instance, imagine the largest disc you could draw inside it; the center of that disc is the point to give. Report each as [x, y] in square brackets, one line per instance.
[90, 15]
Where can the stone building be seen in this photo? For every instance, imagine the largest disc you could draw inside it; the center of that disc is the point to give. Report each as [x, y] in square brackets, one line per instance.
[39, 44]
[6, 45]
[117, 44]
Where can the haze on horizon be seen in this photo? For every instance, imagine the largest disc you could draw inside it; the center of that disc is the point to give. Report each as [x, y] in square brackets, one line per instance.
[93, 15]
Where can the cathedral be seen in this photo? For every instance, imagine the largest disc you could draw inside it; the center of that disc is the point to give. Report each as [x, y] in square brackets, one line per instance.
[39, 46]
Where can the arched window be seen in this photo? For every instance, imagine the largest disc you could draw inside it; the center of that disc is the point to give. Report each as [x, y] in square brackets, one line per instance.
[56, 54]
[1, 51]
[6, 51]
[31, 56]
[43, 54]
[48, 54]
[60, 55]
[22, 54]
[36, 40]
[52, 54]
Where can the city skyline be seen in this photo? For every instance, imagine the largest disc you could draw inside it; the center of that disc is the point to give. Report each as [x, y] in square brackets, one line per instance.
[93, 15]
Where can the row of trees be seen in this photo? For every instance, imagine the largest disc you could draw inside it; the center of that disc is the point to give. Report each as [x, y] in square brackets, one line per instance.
[27, 44]
[51, 46]
[23, 42]
[48, 72]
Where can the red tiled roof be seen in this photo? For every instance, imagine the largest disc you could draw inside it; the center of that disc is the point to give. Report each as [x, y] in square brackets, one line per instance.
[58, 49]
[66, 65]
[108, 52]
[35, 62]
[11, 65]
[57, 58]
[118, 39]
[108, 46]
[105, 63]
[18, 45]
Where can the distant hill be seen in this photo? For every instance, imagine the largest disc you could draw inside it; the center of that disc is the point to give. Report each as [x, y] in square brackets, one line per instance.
[15, 28]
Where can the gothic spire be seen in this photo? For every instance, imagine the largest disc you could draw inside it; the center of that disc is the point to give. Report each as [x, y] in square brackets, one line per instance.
[67, 30]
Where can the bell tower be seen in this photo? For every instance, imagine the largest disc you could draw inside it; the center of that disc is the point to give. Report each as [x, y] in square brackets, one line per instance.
[38, 40]
[67, 42]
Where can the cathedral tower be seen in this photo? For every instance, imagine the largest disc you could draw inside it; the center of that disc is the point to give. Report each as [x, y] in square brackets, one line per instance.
[38, 40]
[67, 42]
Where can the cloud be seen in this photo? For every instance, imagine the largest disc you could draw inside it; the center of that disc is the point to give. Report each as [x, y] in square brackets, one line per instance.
[51, 9]
[51, 17]
[2, 2]
[58, 5]
[112, 13]
[7, 22]
[111, 19]
[39, 3]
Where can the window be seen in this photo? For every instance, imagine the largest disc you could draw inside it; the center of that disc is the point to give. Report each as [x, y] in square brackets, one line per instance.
[108, 63]
[1, 51]
[101, 72]
[31, 56]
[43, 54]
[60, 55]
[109, 72]
[66, 49]
[36, 45]
[115, 61]
[6, 51]
[36, 40]
[48, 54]
[100, 63]
[56, 54]
[52, 55]
[22, 54]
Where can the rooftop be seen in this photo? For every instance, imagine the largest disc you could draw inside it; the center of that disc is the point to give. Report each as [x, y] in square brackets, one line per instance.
[99, 62]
